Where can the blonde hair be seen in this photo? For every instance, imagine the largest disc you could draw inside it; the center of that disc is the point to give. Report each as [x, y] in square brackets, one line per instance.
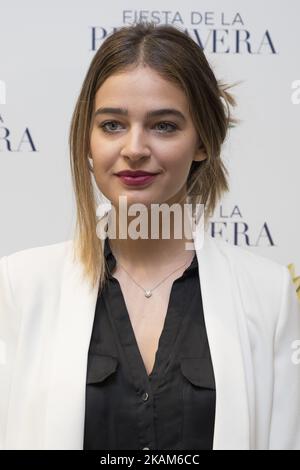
[176, 57]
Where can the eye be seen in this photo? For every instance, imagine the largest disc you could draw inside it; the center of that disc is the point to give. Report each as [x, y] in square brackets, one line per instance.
[173, 126]
[112, 130]
[104, 124]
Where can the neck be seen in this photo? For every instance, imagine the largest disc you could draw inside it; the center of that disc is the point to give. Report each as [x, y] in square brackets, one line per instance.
[150, 253]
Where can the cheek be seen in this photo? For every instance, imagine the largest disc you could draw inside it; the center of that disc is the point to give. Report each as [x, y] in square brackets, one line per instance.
[177, 162]
[94, 141]
[102, 153]
[97, 145]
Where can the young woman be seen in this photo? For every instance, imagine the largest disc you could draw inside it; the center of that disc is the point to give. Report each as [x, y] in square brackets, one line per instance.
[138, 342]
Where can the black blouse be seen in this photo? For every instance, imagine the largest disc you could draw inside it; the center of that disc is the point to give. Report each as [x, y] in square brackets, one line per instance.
[174, 406]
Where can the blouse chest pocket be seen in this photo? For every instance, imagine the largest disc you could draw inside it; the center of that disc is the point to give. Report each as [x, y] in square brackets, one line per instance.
[198, 402]
[100, 367]
[198, 372]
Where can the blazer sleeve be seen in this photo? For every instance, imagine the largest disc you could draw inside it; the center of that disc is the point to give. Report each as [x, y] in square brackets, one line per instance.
[9, 322]
[285, 420]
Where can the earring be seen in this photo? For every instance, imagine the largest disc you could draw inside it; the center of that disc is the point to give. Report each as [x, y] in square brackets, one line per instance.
[90, 164]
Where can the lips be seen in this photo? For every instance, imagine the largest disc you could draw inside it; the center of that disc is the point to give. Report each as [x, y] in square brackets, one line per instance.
[139, 178]
[134, 174]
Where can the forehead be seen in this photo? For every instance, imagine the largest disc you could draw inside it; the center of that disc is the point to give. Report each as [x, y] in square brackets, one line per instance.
[142, 88]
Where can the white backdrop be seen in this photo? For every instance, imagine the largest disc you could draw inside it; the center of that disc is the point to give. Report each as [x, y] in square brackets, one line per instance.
[45, 50]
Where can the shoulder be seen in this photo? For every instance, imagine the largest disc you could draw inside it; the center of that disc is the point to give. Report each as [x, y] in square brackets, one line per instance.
[40, 255]
[33, 265]
[263, 289]
[256, 276]
[243, 258]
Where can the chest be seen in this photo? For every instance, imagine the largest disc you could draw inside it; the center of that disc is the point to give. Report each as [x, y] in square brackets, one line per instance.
[147, 315]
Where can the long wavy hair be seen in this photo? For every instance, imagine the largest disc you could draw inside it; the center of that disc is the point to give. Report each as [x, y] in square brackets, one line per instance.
[177, 58]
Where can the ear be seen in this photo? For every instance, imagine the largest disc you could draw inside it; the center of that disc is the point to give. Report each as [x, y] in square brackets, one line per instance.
[200, 154]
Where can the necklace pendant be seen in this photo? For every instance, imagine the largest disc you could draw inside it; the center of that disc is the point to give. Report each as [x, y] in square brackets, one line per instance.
[148, 293]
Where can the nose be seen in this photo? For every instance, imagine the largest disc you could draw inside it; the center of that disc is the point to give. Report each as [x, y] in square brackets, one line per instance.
[135, 146]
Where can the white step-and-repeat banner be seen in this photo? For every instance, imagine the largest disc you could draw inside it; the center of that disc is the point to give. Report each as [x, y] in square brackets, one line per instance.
[45, 51]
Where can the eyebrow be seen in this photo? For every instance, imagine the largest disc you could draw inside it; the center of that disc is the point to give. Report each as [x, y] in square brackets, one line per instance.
[149, 114]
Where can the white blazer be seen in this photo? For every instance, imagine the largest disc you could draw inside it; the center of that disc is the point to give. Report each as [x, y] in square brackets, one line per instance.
[252, 316]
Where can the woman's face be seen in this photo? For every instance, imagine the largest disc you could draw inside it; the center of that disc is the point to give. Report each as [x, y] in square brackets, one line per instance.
[164, 143]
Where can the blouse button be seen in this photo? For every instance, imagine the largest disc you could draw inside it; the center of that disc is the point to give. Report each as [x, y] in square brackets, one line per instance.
[145, 396]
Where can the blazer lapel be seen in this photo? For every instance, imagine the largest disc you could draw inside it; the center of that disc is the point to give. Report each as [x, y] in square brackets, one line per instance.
[223, 319]
[66, 398]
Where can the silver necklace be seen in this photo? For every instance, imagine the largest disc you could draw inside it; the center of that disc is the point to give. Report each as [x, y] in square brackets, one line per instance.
[148, 293]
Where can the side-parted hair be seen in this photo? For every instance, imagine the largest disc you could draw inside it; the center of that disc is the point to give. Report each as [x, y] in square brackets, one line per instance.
[177, 58]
